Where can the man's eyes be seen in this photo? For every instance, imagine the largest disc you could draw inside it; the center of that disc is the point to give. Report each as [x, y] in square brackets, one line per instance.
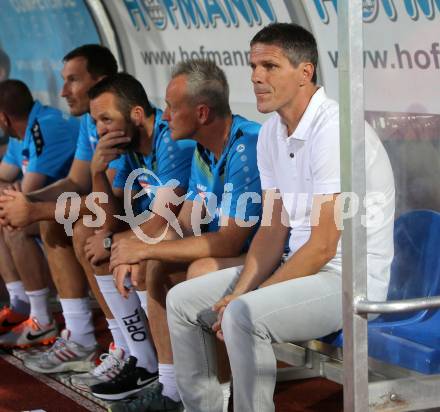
[270, 66]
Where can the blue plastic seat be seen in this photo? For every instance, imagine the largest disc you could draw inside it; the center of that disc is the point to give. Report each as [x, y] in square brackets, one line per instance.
[410, 340]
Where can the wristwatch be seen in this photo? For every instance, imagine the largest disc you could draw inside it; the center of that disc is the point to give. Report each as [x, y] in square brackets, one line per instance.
[107, 242]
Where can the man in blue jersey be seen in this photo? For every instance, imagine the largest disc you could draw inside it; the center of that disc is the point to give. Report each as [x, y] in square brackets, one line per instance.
[5, 69]
[42, 154]
[131, 128]
[83, 68]
[216, 220]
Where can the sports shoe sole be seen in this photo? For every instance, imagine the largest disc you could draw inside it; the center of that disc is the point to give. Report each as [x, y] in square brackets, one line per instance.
[122, 395]
[47, 341]
[77, 366]
[84, 387]
[113, 409]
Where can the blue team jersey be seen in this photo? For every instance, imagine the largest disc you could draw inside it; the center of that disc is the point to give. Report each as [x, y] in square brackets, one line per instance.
[236, 168]
[49, 142]
[87, 139]
[168, 160]
[13, 154]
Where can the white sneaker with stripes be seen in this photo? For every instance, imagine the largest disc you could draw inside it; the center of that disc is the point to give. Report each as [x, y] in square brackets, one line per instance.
[110, 366]
[64, 355]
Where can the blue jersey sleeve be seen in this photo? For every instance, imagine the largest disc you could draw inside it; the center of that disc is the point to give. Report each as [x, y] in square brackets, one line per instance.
[13, 155]
[123, 170]
[243, 181]
[53, 154]
[173, 159]
[192, 184]
[84, 149]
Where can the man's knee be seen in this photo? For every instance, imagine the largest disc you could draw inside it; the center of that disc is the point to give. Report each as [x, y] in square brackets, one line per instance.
[176, 299]
[14, 239]
[141, 284]
[155, 278]
[53, 234]
[236, 316]
[202, 267]
[80, 235]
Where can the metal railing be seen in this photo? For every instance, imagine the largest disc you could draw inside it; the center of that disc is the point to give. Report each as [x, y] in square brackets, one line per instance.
[354, 250]
[363, 306]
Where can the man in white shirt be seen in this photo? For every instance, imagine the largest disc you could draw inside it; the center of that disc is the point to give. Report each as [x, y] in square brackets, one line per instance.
[265, 302]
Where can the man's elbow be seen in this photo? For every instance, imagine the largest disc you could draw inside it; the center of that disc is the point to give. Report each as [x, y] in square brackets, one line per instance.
[75, 185]
[326, 252]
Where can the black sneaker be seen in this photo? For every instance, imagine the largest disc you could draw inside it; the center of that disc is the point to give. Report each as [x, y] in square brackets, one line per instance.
[130, 380]
[149, 399]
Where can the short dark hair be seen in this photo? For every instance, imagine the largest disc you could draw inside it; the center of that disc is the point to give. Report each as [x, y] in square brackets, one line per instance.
[206, 83]
[297, 43]
[15, 98]
[5, 62]
[100, 60]
[128, 90]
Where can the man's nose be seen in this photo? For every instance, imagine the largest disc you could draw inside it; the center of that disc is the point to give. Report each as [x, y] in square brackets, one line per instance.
[102, 130]
[257, 75]
[64, 90]
[166, 114]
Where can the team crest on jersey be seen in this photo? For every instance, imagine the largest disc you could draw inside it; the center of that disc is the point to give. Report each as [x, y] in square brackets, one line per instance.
[240, 148]
[38, 138]
[201, 189]
[143, 181]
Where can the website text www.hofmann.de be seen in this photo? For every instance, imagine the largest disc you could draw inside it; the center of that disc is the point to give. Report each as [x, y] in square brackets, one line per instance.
[397, 57]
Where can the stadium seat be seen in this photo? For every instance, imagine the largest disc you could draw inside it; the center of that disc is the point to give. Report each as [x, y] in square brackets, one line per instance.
[410, 340]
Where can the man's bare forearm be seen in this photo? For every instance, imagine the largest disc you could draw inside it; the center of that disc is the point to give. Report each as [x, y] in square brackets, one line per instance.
[46, 210]
[52, 192]
[308, 260]
[113, 207]
[42, 211]
[262, 259]
[191, 248]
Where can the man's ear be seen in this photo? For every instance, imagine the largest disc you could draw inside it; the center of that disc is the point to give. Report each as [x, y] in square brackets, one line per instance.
[308, 70]
[4, 118]
[203, 113]
[137, 115]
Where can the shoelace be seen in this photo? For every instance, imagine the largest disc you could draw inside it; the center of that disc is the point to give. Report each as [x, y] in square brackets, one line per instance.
[125, 371]
[108, 362]
[58, 345]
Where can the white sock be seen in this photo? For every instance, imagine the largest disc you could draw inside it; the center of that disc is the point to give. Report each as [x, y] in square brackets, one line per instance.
[226, 388]
[118, 337]
[39, 305]
[167, 377]
[19, 301]
[78, 317]
[143, 298]
[131, 319]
